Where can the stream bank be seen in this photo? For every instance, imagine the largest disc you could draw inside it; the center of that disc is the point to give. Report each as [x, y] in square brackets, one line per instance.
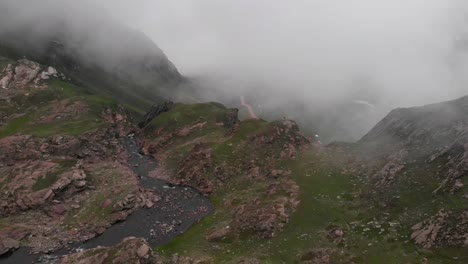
[179, 208]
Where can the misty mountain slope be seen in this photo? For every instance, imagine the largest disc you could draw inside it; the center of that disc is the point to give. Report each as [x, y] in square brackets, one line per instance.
[95, 52]
[422, 136]
[417, 159]
[433, 125]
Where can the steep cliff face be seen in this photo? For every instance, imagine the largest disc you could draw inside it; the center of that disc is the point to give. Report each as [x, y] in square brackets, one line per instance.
[93, 50]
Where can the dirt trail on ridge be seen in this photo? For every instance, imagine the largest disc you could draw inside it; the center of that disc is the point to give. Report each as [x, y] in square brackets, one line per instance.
[249, 108]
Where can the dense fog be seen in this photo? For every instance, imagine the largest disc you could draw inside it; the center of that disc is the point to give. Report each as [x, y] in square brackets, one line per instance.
[337, 66]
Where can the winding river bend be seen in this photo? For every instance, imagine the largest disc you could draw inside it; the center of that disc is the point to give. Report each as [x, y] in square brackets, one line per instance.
[178, 209]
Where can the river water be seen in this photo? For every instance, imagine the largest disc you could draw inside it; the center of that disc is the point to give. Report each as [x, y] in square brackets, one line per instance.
[178, 209]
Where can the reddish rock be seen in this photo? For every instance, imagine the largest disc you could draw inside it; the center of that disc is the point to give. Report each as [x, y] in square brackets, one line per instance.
[59, 209]
[106, 203]
[223, 234]
[8, 245]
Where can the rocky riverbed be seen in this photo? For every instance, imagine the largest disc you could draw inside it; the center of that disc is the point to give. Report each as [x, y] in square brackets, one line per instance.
[177, 210]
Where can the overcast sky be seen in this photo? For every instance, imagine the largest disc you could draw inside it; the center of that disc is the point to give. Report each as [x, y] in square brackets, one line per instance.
[405, 46]
[386, 53]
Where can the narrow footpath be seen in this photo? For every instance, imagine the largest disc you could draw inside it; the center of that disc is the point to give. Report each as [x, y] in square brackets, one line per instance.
[249, 108]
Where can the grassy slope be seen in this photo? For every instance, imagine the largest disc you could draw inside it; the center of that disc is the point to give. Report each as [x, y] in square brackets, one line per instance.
[39, 103]
[330, 198]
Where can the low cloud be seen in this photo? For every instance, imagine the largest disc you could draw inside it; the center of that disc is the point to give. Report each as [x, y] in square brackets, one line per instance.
[338, 66]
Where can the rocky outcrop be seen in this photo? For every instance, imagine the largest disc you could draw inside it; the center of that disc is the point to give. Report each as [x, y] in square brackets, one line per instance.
[395, 164]
[25, 73]
[287, 133]
[146, 199]
[444, 229]
[266, 217]
[21, 194]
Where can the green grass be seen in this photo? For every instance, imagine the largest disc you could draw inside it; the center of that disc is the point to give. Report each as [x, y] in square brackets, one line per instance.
[36, 98]
[52, 177]
[183, 115]
[106, 179]
[40, 103]
[45, 182]
[71, 128]
[329, 199]
[93, 211]
[66, 89]
[193, 242]
[247, 129]
[14, 126]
